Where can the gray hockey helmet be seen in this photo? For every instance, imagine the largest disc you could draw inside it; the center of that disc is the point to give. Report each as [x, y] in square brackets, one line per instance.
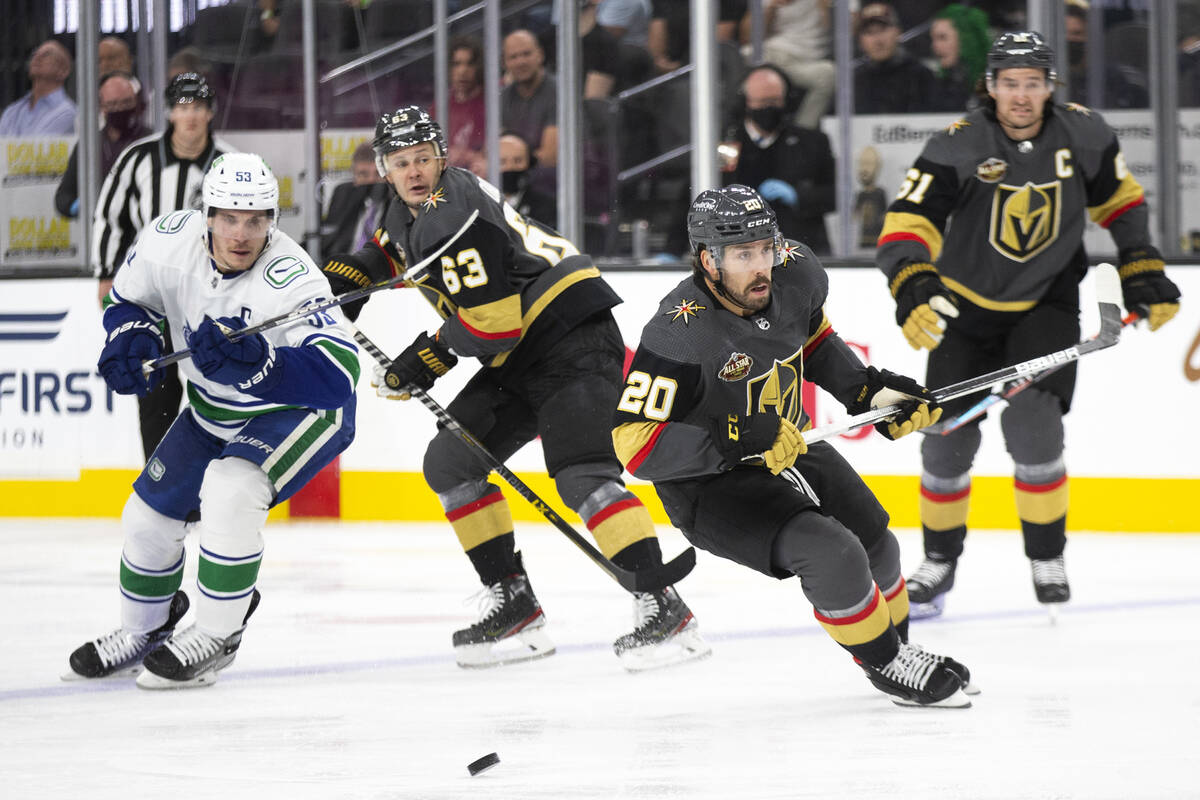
[733, 214]
[1022, 49]
[404, 127]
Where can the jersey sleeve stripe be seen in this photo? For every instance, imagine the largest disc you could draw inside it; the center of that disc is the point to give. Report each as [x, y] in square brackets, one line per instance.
[901, 226]
[500, 319]
[822, 333]
[1105, 215]
[634, 441]
[343, 358]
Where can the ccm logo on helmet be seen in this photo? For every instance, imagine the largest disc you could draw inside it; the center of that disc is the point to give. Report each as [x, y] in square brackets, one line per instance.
[756, 222]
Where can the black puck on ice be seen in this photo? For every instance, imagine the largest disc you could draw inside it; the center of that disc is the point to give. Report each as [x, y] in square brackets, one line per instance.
[483, 764]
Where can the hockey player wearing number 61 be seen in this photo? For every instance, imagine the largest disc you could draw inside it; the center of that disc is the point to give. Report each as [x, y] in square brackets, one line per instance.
[265, 413]
[712, 414]
[536, 314]
[983, 251]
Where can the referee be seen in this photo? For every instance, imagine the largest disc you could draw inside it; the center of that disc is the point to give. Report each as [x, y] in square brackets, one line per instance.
[153, 176]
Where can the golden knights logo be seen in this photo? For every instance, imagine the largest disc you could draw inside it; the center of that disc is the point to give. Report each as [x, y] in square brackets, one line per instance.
[685, 310]
[778, 387]
[1025, 219]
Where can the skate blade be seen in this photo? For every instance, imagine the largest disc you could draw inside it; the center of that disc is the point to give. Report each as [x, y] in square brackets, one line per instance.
[148, 680]
[528, 645]
[957, 700]
[1052, 610]
[129, 672]
[687, 645]
[933, 608]
[971, 689]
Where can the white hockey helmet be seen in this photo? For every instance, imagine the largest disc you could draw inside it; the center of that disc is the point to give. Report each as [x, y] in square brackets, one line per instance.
[241, 182]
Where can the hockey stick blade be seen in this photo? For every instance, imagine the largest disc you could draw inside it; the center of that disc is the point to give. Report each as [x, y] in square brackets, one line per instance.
[1108, 291]
[307, 311]
[645, 580]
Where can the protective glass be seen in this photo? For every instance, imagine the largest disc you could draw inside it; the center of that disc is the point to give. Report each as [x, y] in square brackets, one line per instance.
[243, 227]
[750, 258]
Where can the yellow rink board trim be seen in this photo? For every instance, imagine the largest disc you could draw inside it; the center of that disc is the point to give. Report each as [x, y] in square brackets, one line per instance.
[1101, 504]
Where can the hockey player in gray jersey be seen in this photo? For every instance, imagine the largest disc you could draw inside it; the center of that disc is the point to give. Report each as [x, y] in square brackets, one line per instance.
[983, 251]
[265, 413]
[712, 414]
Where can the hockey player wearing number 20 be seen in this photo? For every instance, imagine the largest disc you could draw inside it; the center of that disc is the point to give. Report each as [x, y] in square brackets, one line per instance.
[712, 414]
[265, 413]
[536, 313]
[1011, 182]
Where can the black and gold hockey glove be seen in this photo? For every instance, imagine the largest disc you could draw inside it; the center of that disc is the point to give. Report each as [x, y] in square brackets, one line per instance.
[1146, 287]
[918, 409]
[766, 436]
[347, 273]
[420, 364]
[922, 300]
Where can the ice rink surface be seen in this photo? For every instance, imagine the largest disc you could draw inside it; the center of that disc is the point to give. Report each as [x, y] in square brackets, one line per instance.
[346, 687]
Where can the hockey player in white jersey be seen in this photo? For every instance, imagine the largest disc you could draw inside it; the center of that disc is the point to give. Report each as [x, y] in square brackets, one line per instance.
[264, 414]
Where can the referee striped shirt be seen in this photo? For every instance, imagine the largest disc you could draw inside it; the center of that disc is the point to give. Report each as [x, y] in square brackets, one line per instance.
[146, 181]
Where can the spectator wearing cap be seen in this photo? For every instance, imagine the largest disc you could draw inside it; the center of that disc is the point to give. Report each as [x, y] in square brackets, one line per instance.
[123, 108]
[153, 176]
[890, 81]
[45, 110]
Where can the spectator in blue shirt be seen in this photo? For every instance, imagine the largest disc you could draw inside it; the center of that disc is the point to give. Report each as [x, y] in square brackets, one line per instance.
[46, 110]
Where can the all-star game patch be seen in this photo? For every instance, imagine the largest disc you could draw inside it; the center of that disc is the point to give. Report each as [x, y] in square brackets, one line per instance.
[737, 367]
[991, 170]
[685, 310]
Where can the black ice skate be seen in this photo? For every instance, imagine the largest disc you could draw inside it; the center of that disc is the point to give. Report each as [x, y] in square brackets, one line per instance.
[1050, 583]
[918, 678]
[120, 653]
[511, 626]
[193, 658]
[927, 588]
[665, 633]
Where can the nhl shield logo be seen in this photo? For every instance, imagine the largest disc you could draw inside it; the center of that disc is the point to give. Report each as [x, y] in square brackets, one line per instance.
[1025, 219]
[737, 367]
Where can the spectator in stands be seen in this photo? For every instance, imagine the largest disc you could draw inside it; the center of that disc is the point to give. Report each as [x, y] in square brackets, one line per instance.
[890, 81]
[528, 104]
[356, 208]
[627, 20]
[516, 162]
[791, 166]
[45, 110]
[960, 43]
[797, 41]
[123, 108]
[1188, 27]
[467, 124]
[669, 36]
[1124, 86]
[188, 59]
[113, 55]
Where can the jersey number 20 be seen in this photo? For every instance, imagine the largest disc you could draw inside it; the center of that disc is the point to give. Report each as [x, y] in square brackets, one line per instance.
[657, 395]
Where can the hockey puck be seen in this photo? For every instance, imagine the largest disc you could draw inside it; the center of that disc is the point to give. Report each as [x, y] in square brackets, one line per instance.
[483, 764]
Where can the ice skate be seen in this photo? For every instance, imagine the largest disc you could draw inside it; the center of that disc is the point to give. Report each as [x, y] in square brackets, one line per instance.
[916, 677]
[511, 626]
[193, 658]
[665, 633]
[959, 669]
[927, 588]
[120, 653]
[1050, 583]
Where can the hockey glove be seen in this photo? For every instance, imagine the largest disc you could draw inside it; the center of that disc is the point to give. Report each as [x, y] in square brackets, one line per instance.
[347, 273]
[421, 363]
[918, 409]
[1145, 284]
[775, 190]
[922, 300]
[765, 438]
[246, 364]
[128, 346]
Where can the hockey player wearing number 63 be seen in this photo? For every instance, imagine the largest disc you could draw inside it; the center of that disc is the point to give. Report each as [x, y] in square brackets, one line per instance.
[265, 413]
[712, 414]
[983, 251]
[536, 313]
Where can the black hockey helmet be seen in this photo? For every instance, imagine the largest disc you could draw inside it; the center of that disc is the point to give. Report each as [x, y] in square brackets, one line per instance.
[1022, 49]
[189, 87]
[404, 127]
[733, 214]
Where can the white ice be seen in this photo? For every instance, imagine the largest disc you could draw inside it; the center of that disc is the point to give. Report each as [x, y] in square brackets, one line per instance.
[346, 687]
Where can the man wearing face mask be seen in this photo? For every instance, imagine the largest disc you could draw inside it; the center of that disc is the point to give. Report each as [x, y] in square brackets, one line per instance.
[516, 161]
[792, 167]
[123, 109]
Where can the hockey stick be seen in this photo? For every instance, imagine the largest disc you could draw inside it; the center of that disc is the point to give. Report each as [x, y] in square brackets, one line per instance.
[307, 311]
[1008, 391]
[1108, 290]
[645, 580]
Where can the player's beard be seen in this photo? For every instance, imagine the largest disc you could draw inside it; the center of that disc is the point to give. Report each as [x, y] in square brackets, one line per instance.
[748, 301]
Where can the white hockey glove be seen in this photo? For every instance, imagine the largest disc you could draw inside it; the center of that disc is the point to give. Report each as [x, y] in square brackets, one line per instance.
[382, 389]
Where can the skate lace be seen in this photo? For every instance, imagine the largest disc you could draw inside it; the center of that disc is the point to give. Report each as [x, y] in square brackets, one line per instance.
[193, 645]
[1049, 571]
[911, 667]
[645, 609]
[489, 600]
[120, 646]
[931, 572]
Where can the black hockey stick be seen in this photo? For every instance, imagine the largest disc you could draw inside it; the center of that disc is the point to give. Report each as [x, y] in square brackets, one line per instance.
[1108, 289]
[645, 580]
[1007, 392]
[307, 311]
